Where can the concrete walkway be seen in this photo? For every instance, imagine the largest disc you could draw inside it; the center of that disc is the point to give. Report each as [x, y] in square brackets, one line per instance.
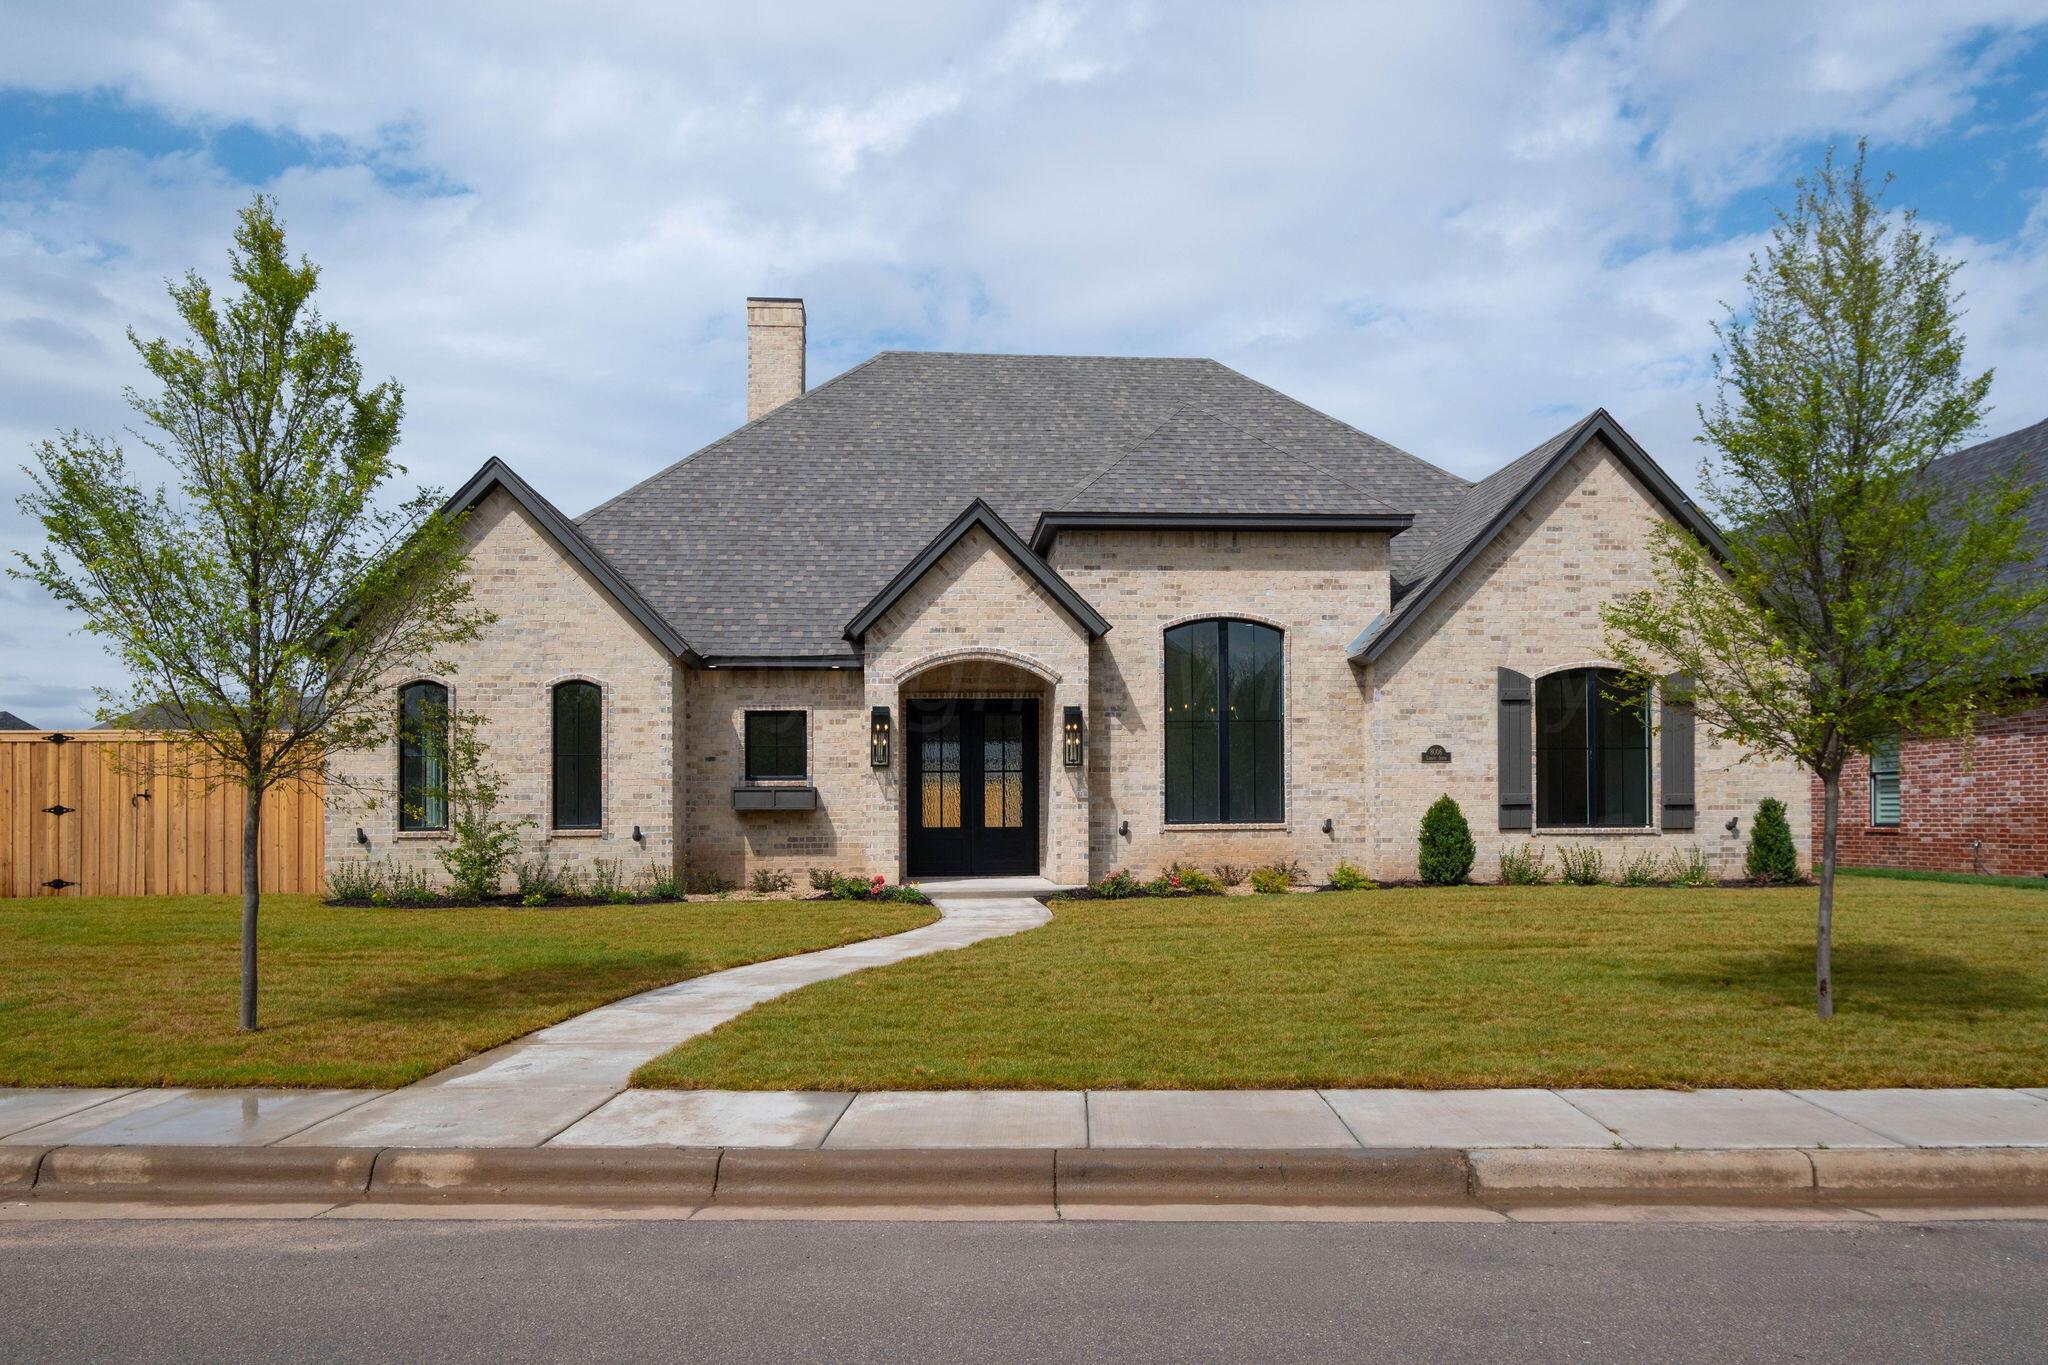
[529, 1090]
[533, 1113]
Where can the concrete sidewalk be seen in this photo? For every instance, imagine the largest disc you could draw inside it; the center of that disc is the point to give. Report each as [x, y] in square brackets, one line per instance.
[1297, 1120]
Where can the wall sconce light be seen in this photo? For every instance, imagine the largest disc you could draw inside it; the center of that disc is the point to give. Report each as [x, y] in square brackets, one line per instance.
[1070, 737]
[1329, 826]
[1733, 822]
[638, 837]
[361, 837]
[1124, 829]
[878, 737]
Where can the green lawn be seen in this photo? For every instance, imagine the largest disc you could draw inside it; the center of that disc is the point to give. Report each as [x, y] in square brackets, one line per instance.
[142, 991]
[1479, 986]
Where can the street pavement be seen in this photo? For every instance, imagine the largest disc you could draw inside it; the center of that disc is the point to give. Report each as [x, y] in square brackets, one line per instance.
[848, 1292]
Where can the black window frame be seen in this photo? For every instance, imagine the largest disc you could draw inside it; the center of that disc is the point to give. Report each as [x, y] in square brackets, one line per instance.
[1184, 805]
[1600, 706]
[593, 794]
[1894, 772]
[779, 747]
[411, 752]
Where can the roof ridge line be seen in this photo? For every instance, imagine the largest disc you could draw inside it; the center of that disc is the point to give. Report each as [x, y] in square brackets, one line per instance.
[737, 431]
[1329, 417]
[1123, 453]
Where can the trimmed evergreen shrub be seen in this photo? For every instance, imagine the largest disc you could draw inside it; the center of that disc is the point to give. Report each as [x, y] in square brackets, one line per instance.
[1447, 850]
[1772, 858]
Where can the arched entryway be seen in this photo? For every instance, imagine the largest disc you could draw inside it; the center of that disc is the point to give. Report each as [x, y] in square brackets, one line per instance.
[976, 744]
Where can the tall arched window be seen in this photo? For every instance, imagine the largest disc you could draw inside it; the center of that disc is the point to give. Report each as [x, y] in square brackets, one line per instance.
[422, 756]
[1592, 751]
[1225, 708]
[579, 756]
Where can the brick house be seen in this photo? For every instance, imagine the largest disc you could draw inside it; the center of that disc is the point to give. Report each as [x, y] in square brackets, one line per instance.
[1942, 805]
[966, 614]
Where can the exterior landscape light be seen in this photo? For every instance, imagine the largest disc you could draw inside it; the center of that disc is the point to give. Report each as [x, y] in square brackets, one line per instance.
[878, 737]
[1071, 737]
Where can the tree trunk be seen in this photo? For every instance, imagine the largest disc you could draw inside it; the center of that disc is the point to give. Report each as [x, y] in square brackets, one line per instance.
[252, 829]
[1824, 930]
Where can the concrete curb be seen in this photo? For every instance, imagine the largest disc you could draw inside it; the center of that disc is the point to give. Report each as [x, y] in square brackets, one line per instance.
[1594, 1176]
[18, 1166]
[1942, 1173]
[1240, 1176]
[978, 1176]
[997, 1178]
[214, 1173]
[547, 1175]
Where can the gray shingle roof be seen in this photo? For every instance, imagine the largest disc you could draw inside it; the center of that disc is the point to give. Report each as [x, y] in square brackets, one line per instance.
[766, 542]
[2020, 455]
[10, 721]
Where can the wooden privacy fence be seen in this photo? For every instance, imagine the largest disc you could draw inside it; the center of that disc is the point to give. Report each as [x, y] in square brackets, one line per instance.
[77, 819]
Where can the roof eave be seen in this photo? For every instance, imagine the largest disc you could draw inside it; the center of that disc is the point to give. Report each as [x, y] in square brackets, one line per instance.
[572, 542]
[1050, 524]
[1371, 644]
[978, 513]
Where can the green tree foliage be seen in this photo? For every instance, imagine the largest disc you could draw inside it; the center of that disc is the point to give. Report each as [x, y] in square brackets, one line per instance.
[1772, 858]
[262, 598]
[1854, 597]
[1447, 851]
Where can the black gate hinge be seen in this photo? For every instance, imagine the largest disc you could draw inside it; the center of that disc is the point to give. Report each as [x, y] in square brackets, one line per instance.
[58, 810]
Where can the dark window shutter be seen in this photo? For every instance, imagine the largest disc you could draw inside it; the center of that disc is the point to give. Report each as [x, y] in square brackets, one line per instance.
[1517, 741]
[1676, 750]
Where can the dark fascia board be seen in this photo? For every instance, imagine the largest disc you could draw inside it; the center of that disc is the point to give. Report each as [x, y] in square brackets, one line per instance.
[558, 528]
[839, 661]
[1633, 458]
[1050, 524]
[980, 514]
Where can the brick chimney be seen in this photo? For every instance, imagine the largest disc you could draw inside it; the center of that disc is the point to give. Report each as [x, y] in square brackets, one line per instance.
[775, 354]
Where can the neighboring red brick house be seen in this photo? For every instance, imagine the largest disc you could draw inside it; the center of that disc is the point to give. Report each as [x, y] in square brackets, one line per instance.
[1939, 804]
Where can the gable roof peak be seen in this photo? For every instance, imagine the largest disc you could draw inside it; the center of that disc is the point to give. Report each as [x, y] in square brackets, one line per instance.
[978, 515]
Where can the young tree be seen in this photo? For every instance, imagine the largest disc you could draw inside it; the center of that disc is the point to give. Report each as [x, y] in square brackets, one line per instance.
[1857, 598]
[263, 599]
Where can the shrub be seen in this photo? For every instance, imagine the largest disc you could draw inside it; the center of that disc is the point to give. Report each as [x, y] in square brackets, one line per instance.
[1524, 866]
[357, 879]
[851, 888]
[1119, 885]
[480, 845]
[1296, 874]
[1160, 886]
[906, 895]
[1772, 858]
[1688, 868]
[821, 878]
[1231, 874]
[1640, 869]
[712, 884]
[608, 879]
[767, 881]
[1447, 850]
[411, 886]
[1271, 881]
[1345, 877]
[537, 877]
[1193, 881]
[1580, 865]
[663, 886]
[533, 900]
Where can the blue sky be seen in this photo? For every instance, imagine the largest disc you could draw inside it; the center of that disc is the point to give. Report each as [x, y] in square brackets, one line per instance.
[1458, 226]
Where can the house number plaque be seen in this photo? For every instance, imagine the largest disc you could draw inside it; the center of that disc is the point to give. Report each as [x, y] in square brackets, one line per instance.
[1436, 753]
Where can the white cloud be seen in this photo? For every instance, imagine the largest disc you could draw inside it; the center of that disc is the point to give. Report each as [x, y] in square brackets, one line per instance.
[1455, 226]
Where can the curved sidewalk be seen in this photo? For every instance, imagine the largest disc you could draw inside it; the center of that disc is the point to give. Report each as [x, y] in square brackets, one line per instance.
[530, 1089]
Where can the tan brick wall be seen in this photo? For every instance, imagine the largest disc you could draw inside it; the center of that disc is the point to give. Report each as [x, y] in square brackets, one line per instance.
[734, 843]
[1531, 602]
[775, 354]
[554, 623]
[1319, 588]
[976, 605]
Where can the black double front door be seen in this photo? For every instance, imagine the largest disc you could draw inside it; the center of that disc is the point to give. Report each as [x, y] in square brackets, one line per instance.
[972, 792]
